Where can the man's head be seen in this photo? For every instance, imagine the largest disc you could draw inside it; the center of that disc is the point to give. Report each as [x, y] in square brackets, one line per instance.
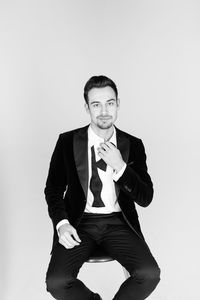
[102, 103]
[99, 82]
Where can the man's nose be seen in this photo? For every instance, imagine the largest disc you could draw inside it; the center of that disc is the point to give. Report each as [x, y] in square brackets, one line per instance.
[104, 110]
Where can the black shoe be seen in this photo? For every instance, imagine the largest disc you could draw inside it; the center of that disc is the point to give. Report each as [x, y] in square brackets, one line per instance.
[96, 297]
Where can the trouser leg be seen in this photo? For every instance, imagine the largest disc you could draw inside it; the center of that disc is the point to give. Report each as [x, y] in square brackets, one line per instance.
[133, 253]
[61, 277]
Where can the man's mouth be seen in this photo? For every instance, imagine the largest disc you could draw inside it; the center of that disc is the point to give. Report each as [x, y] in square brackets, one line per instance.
[104, 118]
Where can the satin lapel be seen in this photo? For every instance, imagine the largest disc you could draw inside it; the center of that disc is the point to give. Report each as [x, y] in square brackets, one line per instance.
[123, 145]
[80, 144]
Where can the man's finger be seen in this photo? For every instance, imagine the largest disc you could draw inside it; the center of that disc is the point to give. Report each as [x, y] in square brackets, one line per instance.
[110, 145]
[75, 235]
[104, 146]
[65, 240]
[101, 150]
[102, 153]
[71, 240]
[65, 244]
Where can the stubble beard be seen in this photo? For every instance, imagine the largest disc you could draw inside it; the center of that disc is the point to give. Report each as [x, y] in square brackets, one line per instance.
[104, 125]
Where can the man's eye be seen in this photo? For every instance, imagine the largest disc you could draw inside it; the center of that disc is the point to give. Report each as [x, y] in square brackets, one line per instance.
[95, 105]
[111, 103]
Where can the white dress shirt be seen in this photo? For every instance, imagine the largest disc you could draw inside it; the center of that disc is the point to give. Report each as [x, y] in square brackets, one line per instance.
[107, 177]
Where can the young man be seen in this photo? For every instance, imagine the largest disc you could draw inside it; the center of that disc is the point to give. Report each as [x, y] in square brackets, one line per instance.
[97, 174]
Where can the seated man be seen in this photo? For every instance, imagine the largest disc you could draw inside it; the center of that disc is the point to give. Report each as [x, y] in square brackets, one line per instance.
[97, 174]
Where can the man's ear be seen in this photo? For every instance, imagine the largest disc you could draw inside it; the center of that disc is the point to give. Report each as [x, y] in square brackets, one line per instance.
[118, 102]
[87, 108]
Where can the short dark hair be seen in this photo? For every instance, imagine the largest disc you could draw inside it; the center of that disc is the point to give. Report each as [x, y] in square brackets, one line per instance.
[98, 82]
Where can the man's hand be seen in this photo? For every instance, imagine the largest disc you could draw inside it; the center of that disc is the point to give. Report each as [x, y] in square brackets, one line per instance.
[111, 155]
[68, 236]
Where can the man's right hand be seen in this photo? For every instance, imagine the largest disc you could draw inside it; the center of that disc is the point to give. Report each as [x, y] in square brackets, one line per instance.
[68, 236]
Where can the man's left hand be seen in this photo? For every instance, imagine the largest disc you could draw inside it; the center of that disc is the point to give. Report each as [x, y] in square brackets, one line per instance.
[111, 155]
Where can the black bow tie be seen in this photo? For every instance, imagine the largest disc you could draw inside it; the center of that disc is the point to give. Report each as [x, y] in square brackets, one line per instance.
[101, 164]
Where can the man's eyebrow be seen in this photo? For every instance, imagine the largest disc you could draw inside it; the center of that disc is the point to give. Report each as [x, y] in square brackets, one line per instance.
[112, 99]
[95, 101]
[92, 102]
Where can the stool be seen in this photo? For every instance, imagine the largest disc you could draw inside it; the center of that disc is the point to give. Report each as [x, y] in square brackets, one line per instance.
[100, 256]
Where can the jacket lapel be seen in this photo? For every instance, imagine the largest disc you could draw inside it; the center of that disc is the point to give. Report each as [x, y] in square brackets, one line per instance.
[123, 144]
[80, 146]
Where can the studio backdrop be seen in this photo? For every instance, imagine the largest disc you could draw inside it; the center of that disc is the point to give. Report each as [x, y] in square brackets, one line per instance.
[48, 50]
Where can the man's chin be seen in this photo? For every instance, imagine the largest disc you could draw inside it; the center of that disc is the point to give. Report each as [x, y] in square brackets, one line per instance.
[104, 125]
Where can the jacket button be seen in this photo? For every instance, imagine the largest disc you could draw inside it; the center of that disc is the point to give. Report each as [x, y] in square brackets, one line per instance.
[127, 188]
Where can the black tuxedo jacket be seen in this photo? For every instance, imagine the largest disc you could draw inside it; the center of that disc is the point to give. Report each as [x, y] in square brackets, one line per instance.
[67, 181]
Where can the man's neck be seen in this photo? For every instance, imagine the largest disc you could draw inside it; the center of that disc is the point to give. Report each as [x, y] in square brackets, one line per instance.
[103, 133]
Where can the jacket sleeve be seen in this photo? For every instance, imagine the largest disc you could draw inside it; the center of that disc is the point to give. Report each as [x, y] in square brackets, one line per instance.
[56, 185]
[135, 181]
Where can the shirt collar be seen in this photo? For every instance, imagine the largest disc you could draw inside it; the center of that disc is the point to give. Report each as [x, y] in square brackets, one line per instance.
[94, 139]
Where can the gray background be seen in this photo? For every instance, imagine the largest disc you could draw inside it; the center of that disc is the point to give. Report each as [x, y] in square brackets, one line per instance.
[49, 49]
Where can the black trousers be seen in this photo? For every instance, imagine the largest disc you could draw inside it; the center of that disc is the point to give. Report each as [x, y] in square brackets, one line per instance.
[113, 234]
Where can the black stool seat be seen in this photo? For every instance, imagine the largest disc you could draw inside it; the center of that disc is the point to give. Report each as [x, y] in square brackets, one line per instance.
[99, 256]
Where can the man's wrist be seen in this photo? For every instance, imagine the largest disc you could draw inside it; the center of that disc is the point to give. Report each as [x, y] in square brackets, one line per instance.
[117, 175]
[62, 222]
[119, 166]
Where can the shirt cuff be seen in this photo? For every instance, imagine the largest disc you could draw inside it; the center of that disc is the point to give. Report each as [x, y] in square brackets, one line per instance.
[117, 175]
[62, 222]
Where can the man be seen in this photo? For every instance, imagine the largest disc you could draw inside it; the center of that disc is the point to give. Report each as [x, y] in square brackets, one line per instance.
[97, 174]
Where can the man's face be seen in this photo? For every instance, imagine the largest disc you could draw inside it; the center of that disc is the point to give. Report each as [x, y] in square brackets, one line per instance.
[102, 107]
